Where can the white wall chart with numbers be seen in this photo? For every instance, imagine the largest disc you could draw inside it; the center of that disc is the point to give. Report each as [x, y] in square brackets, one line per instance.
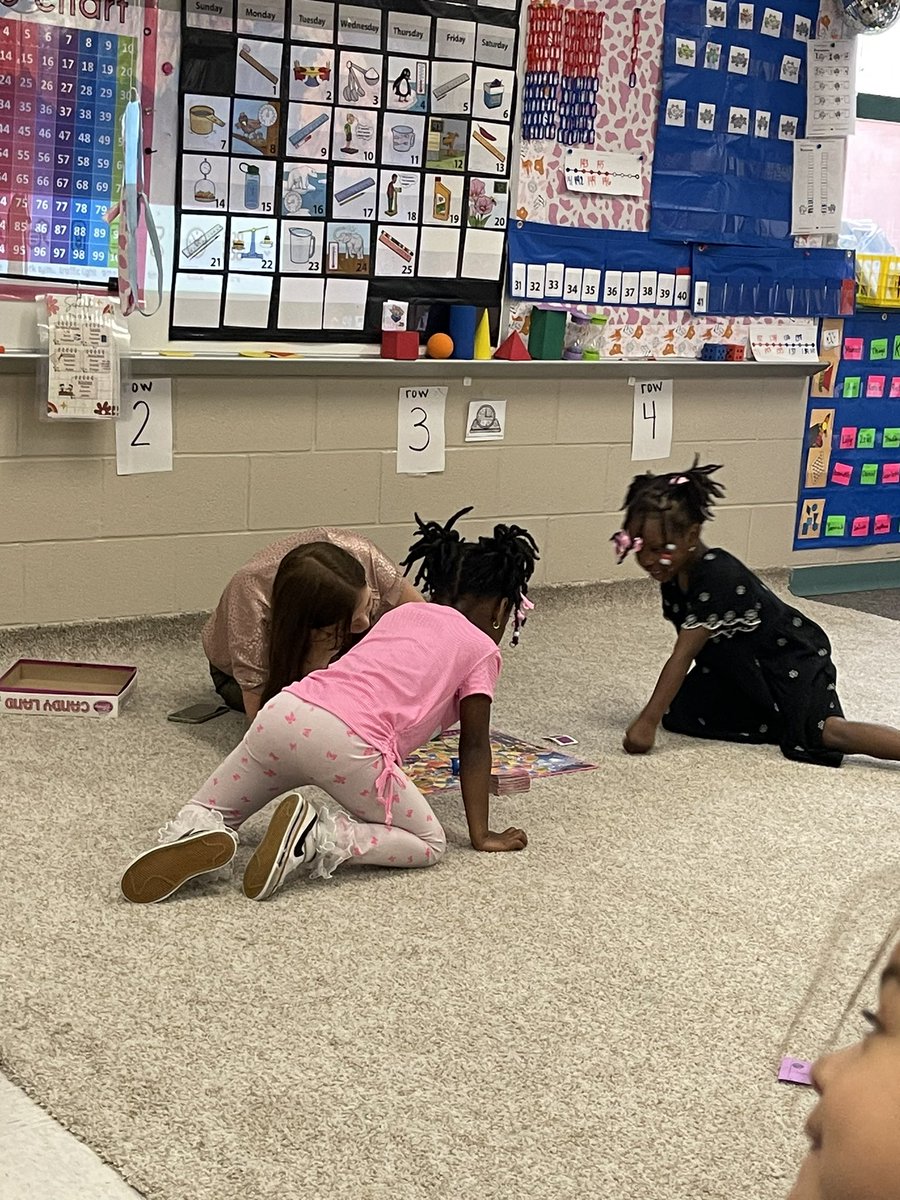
[333, 156]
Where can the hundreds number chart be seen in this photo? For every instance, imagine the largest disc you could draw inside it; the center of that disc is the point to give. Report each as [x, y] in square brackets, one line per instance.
[334, 156]
[62, 94]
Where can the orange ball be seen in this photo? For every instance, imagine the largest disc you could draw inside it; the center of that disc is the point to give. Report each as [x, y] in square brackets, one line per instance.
[439, 345]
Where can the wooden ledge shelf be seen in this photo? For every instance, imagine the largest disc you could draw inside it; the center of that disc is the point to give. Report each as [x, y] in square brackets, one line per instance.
[427, 370]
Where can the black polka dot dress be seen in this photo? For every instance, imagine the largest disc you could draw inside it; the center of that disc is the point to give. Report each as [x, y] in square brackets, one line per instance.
[765, 675]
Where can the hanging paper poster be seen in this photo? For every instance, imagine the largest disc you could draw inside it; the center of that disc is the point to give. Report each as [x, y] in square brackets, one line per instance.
[730, 112]
[818, 186]
[849, 491]
[66, 74]
[831, 88]
[592, 76]
[337, 156]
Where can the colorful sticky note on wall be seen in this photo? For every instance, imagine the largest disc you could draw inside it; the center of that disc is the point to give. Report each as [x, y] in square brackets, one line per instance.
[875, 385]
[860, 527]
[853, 348]
[896, 353]
[848, 437]
[842, 474]
[882, 523]
[878, 348]
[868, 473]
[852, 387]
[895, 387]
[865, 439]
[835, 526]
[890, 473]
[890, 439]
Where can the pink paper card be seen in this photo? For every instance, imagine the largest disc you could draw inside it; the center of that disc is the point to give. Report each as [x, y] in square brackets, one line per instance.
[895, 387]
[882, 523]
[795, 1070]
[890, 473]
[860, 527]
[853, 348]
[848, 437]
[842, 474]
[875, 385]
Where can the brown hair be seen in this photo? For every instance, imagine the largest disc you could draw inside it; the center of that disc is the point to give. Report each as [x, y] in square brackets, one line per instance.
[316, 586]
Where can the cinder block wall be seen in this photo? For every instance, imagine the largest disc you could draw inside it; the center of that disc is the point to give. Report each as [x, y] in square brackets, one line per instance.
[259, 458]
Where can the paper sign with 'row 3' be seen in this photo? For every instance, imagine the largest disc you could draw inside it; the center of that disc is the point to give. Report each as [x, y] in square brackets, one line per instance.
[882, 523]
[842, 474]
[860, 527]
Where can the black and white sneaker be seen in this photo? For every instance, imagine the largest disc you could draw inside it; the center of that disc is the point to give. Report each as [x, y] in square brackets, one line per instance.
[289, 843]
[159, 873]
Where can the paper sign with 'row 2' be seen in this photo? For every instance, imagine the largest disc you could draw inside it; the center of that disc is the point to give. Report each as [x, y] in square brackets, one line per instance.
[860, 527]
[842, 474]
[882, 523]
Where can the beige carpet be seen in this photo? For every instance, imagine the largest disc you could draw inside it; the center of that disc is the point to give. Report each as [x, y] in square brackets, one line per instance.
[600, 1016]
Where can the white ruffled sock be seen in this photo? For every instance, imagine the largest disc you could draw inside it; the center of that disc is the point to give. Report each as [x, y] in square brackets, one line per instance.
[194, 818]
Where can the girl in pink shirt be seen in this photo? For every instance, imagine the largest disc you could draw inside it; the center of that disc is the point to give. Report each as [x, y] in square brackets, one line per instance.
[347, 729]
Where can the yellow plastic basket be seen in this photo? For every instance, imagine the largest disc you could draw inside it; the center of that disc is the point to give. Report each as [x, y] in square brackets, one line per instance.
[878, 280]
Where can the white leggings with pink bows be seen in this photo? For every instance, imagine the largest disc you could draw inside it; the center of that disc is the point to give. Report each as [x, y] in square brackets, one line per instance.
[292, 744]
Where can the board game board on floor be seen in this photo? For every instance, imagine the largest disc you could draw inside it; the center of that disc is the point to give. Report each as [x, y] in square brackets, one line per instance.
[430, 767]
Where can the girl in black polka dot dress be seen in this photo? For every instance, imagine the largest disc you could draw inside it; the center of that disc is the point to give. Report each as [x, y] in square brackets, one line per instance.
[746, 667]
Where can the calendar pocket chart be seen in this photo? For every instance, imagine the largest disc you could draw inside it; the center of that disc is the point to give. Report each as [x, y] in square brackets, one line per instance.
[63, 91]
[333, 156]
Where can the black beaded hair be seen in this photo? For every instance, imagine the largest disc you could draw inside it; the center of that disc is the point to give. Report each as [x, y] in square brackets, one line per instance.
[679, 499]
[450, 567]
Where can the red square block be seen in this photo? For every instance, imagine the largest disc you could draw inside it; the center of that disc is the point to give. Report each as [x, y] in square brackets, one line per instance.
[734, 353]
[400, 343]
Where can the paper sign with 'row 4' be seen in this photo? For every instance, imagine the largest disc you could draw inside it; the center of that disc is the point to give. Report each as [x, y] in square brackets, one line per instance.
[842, 474]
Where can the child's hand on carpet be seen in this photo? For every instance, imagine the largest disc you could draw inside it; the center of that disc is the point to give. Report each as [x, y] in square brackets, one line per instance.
[639, 736]
[509, 839]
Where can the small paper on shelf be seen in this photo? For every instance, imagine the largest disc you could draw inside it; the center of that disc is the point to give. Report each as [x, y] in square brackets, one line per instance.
[792, 341]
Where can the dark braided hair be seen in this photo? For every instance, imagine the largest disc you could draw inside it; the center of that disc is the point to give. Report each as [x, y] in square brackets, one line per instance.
[499, 566]
[679, 499]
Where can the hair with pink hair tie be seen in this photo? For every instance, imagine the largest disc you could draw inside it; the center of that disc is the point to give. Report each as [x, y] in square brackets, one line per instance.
[624, 543]
[675, 480]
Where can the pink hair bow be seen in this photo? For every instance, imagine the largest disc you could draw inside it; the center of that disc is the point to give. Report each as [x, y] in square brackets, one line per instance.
[624, 543]
[675, 480]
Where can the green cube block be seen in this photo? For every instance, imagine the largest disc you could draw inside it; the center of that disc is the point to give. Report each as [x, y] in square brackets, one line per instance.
[835, 526]
[865, 439]
[547, 334]
[869, 473]
[852, 387]
[890, 439]
[878, 349]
